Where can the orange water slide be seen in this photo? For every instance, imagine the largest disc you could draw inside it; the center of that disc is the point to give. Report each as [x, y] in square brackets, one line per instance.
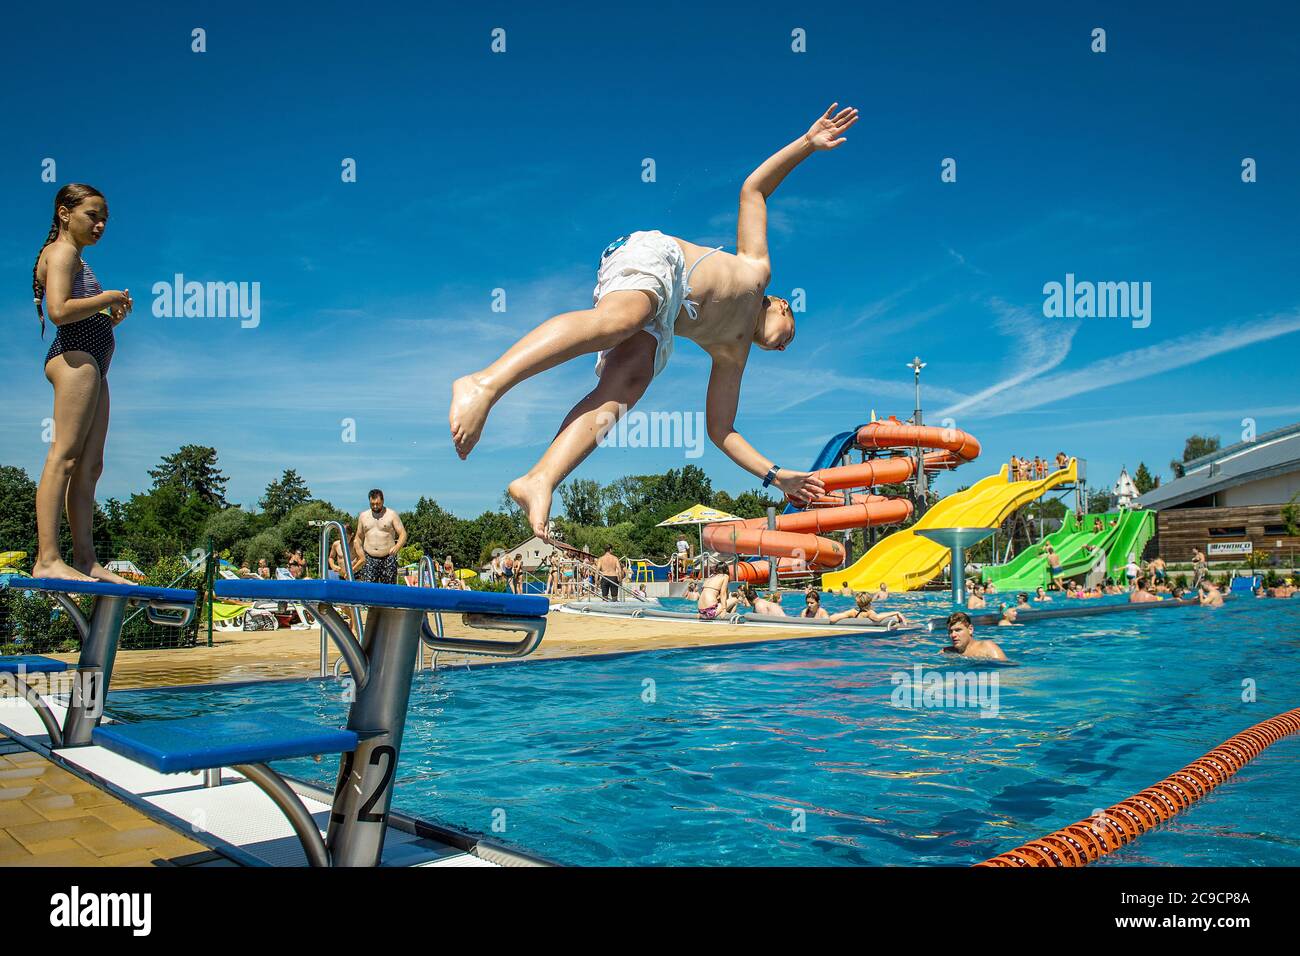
[796, 541]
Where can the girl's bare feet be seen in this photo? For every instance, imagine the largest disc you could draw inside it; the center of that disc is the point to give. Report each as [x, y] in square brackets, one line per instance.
[533, 495]
[471, 401]
[100, 573]
[58, 570]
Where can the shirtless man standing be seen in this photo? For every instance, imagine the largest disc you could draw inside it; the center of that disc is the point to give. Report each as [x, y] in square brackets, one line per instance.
[610, 569]
[380, 535]
[962, 634]
[649, 287]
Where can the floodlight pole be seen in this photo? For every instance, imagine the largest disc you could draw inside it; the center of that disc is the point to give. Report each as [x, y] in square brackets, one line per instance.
[921, 484]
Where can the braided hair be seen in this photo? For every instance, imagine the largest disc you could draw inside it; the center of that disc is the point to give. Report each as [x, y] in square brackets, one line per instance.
[70, 196]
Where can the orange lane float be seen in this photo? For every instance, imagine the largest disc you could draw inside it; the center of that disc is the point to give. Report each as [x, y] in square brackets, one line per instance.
[796, 541]
[1088, 840]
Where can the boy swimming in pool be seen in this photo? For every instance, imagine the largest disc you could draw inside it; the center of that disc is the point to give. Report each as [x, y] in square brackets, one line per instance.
[650, 287]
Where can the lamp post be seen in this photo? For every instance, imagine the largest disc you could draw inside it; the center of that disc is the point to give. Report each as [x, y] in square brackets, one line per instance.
[921, 484]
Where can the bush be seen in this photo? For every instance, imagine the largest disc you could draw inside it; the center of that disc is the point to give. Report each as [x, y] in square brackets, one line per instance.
[31, 623]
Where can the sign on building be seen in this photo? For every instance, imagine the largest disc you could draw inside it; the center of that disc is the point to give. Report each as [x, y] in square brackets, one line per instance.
[1228, 547]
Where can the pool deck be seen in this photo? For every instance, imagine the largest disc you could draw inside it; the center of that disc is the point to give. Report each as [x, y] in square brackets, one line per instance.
[48, 817]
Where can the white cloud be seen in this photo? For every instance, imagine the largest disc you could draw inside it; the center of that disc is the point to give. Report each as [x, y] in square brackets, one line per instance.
[1134, 365]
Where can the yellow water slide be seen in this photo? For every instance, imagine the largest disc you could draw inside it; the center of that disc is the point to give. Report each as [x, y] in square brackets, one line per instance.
[905, 561]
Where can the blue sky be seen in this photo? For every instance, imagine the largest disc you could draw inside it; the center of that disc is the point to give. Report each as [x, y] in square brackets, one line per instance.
[479, 170]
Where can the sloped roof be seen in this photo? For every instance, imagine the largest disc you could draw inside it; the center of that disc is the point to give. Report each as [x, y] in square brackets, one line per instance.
[1270, 454]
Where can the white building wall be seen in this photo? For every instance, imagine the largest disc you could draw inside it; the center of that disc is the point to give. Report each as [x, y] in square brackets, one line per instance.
[1277, 490]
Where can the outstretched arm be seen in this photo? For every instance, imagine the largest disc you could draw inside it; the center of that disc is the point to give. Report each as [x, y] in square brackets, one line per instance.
[751, 228]
[720, 415]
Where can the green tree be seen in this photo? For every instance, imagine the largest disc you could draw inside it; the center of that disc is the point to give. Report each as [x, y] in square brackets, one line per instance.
[1196, 446]
[1098, 502]
[434, 530]
[583, 500]
[299, 534]
[1291, 515]
[1142, 479]
[284, 495]
[194, 469]
[754, 504]
[227, 526]
[17, 511]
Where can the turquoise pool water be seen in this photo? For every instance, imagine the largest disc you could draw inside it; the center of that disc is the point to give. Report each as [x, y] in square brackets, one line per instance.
[798, 753]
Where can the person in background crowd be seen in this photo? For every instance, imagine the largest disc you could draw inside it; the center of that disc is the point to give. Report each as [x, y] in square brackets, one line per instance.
[611, 574]
[769, 603]
[862, 610]
[1200, 567]
[1140, 594]
[1210, 594]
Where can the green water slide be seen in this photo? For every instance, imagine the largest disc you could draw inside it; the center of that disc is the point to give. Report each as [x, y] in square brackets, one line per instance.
[1135, 530]
[1079, 549]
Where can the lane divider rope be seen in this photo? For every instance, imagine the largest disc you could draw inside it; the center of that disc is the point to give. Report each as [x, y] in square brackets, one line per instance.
[1089, 840]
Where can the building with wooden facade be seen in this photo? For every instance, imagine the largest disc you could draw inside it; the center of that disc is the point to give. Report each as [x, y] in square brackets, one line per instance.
[1229, 503]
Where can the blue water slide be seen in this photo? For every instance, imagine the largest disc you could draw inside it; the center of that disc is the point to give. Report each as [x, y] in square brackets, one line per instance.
[829, 457]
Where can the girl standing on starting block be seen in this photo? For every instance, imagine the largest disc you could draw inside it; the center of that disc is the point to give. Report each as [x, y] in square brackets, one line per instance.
[84, 316]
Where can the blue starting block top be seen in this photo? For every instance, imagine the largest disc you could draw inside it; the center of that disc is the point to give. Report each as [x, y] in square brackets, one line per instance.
[32, 664]
[203, 743]
[386, 595]
[138, 592]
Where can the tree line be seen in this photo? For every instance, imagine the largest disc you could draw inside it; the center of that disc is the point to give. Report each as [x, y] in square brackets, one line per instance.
[186, 506]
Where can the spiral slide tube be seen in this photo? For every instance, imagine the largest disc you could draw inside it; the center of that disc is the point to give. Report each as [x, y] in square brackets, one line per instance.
[796, 542]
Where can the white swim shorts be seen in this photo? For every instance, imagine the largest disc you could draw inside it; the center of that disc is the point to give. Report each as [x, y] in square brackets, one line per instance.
[654, 263]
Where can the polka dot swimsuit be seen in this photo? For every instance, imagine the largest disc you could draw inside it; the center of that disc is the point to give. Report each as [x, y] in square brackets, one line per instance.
[93, 334]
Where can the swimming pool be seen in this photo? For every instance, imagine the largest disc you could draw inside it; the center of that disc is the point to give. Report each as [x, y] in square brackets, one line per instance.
[798, 753]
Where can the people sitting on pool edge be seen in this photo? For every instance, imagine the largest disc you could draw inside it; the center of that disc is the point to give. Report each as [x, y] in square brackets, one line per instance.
[714, 600]
[862, 609]
[962, 634]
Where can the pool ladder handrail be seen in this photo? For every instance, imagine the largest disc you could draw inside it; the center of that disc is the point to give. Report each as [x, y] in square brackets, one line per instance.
[326, 527]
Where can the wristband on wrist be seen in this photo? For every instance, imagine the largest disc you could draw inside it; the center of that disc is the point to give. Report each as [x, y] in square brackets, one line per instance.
[771, 475]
